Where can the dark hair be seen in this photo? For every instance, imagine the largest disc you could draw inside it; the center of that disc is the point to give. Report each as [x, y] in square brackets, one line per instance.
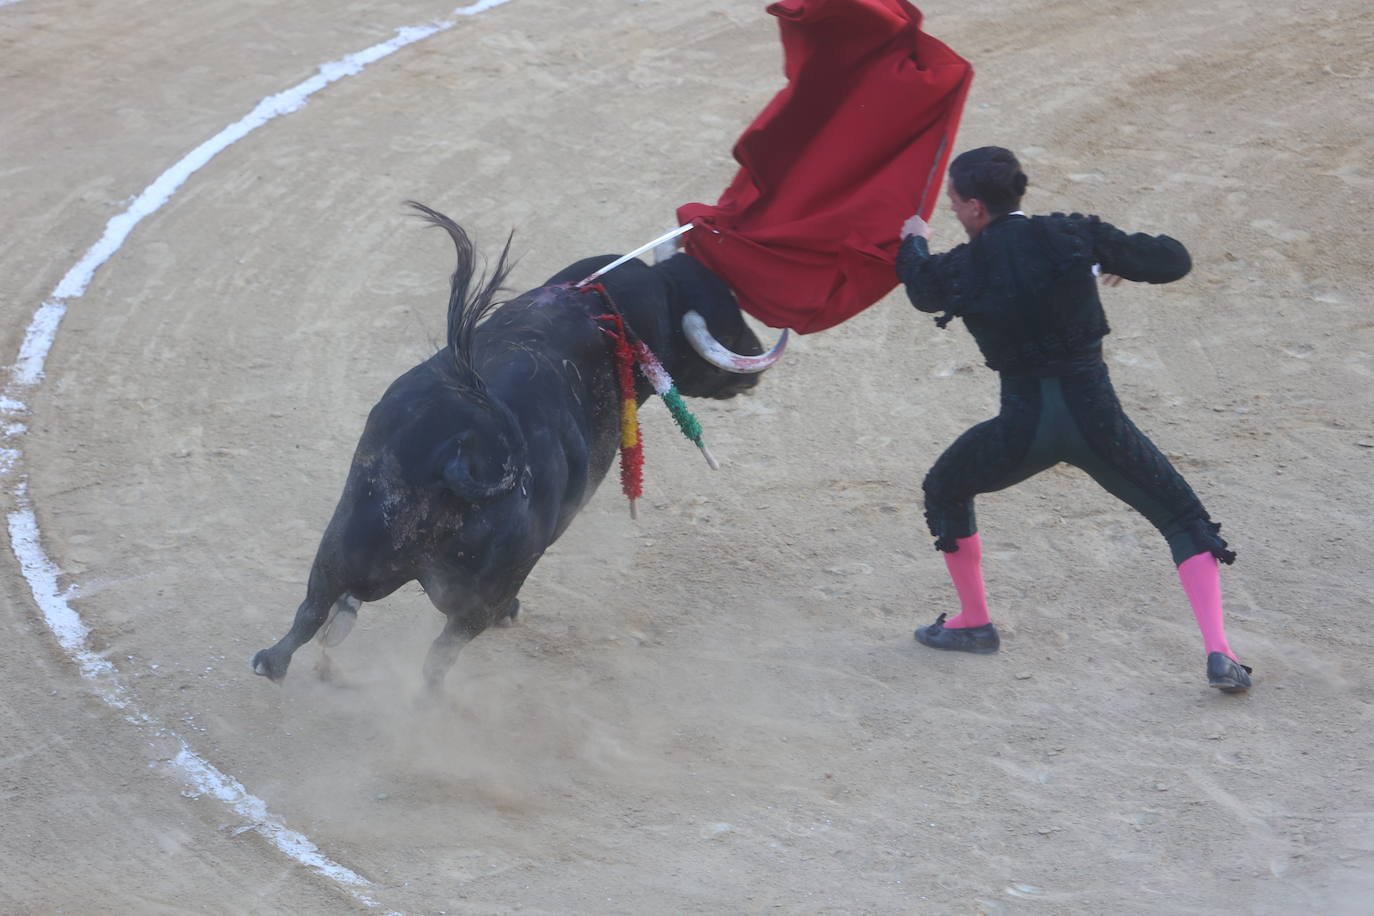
[990, 174]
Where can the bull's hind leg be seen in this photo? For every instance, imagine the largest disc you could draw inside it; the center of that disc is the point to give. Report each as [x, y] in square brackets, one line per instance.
[310, 616]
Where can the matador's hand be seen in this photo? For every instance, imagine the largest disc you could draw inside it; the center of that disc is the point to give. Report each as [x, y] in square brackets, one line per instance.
[1105, 278]
[916, 226]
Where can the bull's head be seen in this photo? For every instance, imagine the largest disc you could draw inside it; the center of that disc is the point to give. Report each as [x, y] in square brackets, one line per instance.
[722, 356]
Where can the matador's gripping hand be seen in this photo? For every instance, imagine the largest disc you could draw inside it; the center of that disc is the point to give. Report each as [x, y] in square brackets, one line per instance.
[916, 226]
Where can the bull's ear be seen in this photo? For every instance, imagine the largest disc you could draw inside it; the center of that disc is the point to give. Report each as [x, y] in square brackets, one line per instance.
[475, 473]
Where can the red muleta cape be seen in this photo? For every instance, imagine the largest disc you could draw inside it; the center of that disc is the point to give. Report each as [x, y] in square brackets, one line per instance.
[807, 232]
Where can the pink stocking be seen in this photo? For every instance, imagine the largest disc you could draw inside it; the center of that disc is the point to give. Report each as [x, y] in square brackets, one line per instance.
[1202, 583]
[965, 567]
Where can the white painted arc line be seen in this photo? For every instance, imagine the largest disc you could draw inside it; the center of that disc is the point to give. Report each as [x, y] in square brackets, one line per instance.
[71, 632]
[42, 574]
[33, 353]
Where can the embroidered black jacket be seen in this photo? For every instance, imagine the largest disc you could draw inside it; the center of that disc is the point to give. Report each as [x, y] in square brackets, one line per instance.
[1025, 289]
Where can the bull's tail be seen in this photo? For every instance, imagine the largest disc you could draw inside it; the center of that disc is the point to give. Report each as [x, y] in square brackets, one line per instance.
[476, 475]
[467, 306]
[482, 466]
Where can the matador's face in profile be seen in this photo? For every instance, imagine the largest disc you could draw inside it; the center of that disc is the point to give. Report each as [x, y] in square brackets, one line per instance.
[970, 212]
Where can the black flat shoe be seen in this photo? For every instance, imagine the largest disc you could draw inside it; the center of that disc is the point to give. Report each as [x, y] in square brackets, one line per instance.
[978, 640]
[1226, 674]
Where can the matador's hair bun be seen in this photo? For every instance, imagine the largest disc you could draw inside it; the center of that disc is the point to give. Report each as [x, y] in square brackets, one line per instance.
[990, 174]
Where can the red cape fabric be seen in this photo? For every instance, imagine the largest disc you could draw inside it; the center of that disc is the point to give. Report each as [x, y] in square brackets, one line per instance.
[807, 232]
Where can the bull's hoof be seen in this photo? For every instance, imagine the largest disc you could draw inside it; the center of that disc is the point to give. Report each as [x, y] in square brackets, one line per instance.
[511, 617]
[271, 666]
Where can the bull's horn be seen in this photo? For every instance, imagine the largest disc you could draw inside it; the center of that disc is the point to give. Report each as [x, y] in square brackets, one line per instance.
[711, 350]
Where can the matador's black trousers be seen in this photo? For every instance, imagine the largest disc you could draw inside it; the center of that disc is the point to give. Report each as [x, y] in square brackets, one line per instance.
[1076, 418]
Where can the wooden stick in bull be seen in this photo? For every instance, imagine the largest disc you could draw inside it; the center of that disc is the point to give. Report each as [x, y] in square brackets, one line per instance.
[630, 351]
[631, 436]
[663, 384]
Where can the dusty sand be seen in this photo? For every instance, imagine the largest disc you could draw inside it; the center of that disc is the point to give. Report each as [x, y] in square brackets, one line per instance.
[718, 708]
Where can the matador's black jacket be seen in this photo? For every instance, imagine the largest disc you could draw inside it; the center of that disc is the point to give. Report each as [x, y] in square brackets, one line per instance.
[1025, 289]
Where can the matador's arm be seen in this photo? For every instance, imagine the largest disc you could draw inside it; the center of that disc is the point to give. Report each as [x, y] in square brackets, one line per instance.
[1138, 257]
[920, 272]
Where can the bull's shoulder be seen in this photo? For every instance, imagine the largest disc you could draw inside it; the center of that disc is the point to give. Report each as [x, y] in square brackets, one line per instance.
[555, 311]
[541, 337]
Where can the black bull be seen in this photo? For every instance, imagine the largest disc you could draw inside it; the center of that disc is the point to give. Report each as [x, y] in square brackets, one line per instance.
[475, 461]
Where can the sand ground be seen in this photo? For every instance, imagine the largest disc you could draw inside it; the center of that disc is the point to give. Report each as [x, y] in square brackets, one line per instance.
[718, 708]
